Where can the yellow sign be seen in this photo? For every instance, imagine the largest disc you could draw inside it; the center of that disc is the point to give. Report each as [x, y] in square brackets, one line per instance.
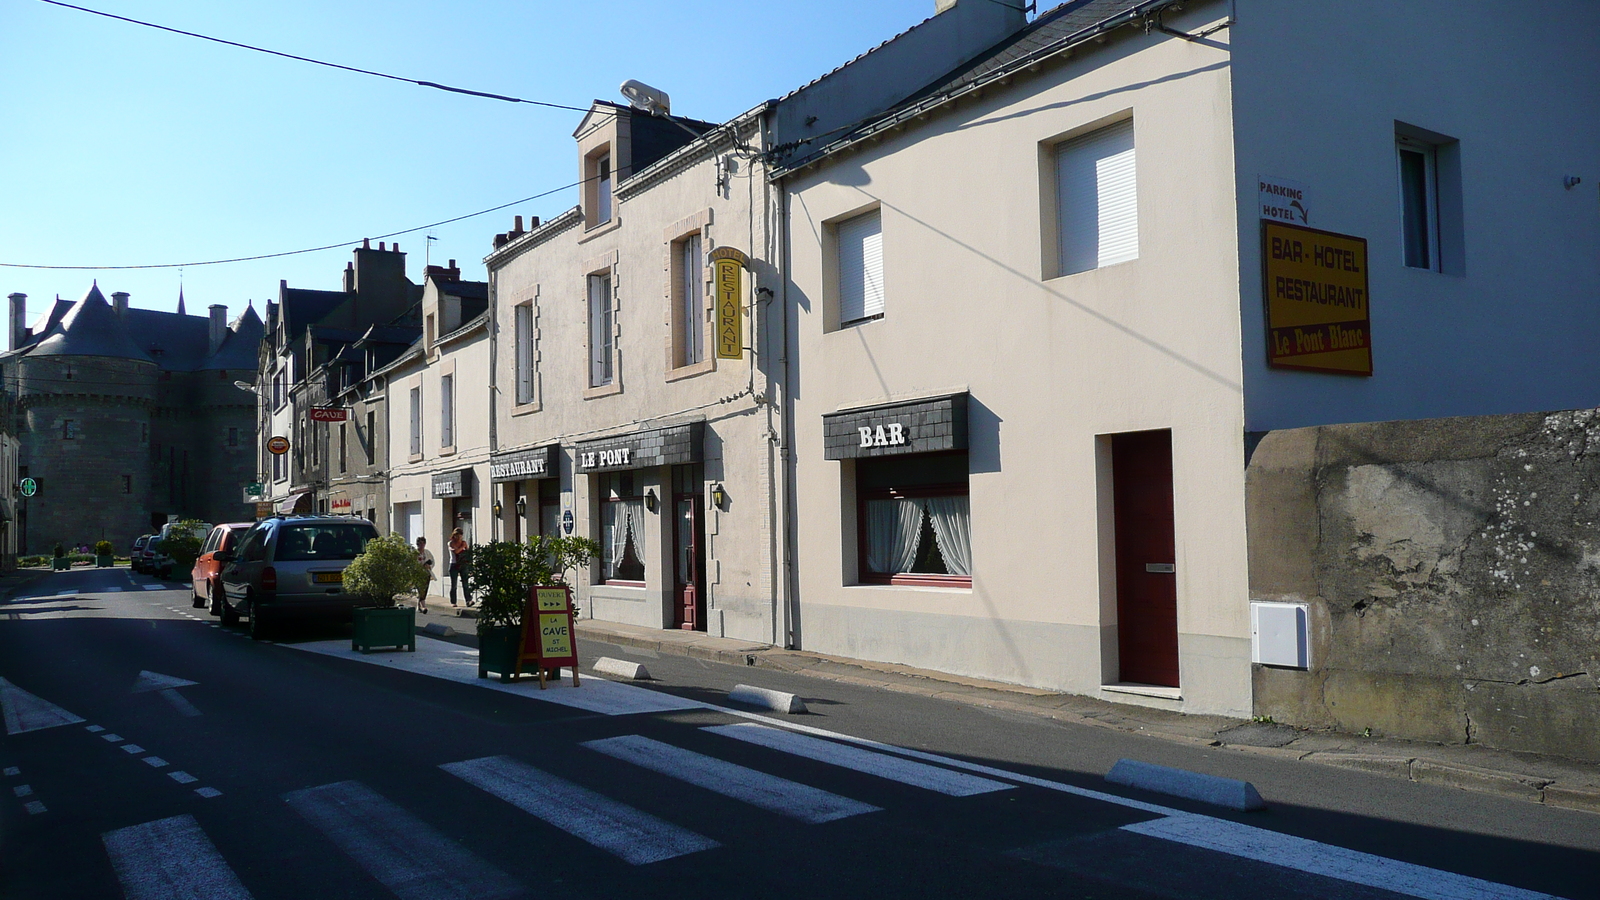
[551, 599]
[555, 635]
[727, 281]
[1315, 286]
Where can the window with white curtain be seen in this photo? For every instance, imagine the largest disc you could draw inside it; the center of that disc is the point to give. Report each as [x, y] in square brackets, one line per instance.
[689, 292]
[524, 357]
[447, 410]
[602, 334]
[621, 529]
[914, 520]
[860, 256]
[1097, 199]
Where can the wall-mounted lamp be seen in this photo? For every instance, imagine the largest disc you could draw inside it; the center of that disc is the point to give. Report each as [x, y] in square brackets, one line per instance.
[718, 495]
[650, 499]
[497, 509]
[522, 507]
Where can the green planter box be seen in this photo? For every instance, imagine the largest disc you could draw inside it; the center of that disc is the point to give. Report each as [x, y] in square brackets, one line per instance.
[104, 562]
[497, 649]
[384, 627]
[61, 564]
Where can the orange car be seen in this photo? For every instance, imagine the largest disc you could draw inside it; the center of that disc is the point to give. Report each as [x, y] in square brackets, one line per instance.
[207, 590]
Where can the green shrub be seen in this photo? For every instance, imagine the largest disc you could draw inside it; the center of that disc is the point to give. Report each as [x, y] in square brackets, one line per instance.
[102, 548]
[501, 574]
[183, 544]
[386, 568]
[28, 562]
[60, 551]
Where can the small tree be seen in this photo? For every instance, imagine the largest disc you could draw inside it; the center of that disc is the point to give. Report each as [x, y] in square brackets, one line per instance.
[502, 573]
[60, 550]
[102, 548]
[183, 543]
[386, 568]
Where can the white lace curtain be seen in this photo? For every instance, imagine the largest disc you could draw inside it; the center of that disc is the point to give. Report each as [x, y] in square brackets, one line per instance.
[894, 527]
[952, 530]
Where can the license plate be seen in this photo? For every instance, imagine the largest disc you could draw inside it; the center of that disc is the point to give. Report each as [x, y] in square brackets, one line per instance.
[328, 577]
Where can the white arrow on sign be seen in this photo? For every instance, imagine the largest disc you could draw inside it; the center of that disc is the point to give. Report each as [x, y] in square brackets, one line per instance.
[25, 712]
[167, 686]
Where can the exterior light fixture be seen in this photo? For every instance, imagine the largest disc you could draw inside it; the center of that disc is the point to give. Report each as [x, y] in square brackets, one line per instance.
[650, 499]
[497, 509]
[718, 495]
[522, 507]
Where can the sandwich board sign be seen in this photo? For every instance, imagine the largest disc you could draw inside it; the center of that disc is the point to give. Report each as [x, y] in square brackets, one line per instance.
[549, 640]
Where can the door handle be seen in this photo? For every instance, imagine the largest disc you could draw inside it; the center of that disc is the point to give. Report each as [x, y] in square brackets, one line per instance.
[1161, 568]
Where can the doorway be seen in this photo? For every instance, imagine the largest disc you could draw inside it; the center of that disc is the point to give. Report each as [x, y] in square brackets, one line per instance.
[1147, 583]
[688, 504]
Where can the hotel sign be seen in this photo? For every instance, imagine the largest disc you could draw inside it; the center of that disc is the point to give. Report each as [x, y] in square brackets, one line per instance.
[457, 483]
[539, 462]
[1315, 287]
[727, 283]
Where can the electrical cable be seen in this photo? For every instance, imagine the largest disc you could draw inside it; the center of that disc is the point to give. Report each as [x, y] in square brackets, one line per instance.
[426, 84]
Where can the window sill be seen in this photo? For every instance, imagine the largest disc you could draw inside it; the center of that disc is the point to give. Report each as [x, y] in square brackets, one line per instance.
[415, 457]
[603, 390]
[448, 451]
[958, 582]
[522, 409]
[634, 585]
[601, 228]
[708, 364]
[857, 323]
[943, 587]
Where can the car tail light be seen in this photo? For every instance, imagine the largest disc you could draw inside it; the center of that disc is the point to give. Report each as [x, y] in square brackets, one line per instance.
[269, 579]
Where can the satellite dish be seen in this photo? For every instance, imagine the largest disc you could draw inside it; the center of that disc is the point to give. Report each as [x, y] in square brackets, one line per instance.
[643, 96]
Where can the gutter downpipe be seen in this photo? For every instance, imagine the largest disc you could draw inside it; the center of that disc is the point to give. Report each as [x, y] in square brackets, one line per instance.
[790, 589]
[494, 390]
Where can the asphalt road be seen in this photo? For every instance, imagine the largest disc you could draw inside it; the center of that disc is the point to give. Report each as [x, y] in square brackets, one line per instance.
[295, 769]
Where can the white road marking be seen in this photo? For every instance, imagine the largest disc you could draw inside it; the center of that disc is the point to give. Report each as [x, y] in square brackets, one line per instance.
[12, 770]
[780, 795]
[34, 807]
[66, 592]
[179, 703]
[182, 777]
[113, 738]
[452, 662]
[405, 854]
[169, 859]
[25, 712]
[155, 681]
[23, 790]
[1304, 855]
[208, 792]
[154, 587]
[155, 761]
[933, 778]
[635, 836]
[132, 748]
[94, 729]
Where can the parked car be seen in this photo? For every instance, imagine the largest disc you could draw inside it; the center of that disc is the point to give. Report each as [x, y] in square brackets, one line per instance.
[161, 563]
[291, 567]
[203, 582]
[145, 555]
[136, 555]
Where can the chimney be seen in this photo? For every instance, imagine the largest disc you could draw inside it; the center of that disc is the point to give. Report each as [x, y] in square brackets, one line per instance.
[119, 302]
[441, 274]
[219, 327]
[518, 229]
[381, 246]
[349, 277]
[19, 319]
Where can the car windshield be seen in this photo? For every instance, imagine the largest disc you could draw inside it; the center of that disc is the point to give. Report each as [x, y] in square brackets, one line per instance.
[326, 541]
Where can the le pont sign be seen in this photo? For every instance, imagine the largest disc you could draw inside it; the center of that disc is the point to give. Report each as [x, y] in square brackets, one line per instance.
[329, 414]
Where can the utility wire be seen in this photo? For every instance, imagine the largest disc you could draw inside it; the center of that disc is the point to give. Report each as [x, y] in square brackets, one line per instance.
[318, 62]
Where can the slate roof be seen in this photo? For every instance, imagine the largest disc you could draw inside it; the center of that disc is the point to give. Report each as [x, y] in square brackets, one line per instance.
[304, 305]
[91, 328]
[173, 341]
[51, 317]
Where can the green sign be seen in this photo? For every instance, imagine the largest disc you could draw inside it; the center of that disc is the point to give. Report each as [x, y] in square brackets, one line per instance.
[29, 487]
[254, 489]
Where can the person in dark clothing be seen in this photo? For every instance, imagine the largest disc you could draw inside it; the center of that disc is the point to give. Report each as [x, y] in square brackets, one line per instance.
[458, 565]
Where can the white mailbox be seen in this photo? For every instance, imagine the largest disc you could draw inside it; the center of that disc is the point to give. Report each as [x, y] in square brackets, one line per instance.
[1279, 634]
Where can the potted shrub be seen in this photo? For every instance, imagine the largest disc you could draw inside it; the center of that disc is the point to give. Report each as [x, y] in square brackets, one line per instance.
[102, 554]
[387, 568]
[61, 561]
[501, 576]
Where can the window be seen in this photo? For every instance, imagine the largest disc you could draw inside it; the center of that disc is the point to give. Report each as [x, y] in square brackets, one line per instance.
[416, 421]
[621, 529]
[550, 507]
[1097, 199]
[688, 302]
[342, 448]
[144, 432]
[602, 189]
[523, 321]
[914, 521]
[860, 253]
[69, 429]
[428, 344]
[233, 437]
[277, 467]
[602, 336]
[127, 484]
[447, 411]
[1419, 202]
[372, 438]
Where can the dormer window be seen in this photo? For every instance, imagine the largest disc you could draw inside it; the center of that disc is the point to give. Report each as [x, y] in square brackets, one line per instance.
[602, 206]
[597, 176]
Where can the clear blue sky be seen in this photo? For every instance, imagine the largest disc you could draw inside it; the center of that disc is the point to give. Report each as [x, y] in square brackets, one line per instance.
[123, 145]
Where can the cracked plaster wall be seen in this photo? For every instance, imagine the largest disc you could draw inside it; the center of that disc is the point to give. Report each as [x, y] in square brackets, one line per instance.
[1452, 570]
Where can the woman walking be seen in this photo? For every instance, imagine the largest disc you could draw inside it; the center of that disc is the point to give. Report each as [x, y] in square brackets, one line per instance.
[458, 565]
[424, 556]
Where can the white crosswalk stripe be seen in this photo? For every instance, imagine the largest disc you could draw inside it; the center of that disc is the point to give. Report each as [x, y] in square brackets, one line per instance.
[769, 792]
[169, 859]
[905, 771]
[402, 852]
[634, 835]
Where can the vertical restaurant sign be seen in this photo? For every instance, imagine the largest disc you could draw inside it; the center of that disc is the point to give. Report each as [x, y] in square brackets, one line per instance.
[1315, 286]
[727, 281]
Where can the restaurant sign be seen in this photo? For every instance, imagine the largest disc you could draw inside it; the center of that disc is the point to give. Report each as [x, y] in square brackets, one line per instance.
[538, 462]
[727, 282]
[1315, 286]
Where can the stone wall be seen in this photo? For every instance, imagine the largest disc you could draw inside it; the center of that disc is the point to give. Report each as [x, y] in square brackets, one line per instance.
[1452, 571]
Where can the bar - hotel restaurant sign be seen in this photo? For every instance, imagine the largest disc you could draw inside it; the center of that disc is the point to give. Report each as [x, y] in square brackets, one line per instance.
[1315, 285]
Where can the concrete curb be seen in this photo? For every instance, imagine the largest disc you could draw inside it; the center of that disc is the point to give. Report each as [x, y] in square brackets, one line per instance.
[777, 701]
[619, 668]
[438, 629]
[1489, 781]
[1226, 792]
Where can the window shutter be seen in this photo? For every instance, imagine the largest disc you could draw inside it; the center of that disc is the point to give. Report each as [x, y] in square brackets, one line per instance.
[860, 267]
[447, 403]
[416, 421]
[600, 330]
[524, 353]
[693, 296]
[1097, 188]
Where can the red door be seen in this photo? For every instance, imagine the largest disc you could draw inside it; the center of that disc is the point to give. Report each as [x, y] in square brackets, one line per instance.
[1147, 592]
[688, 563]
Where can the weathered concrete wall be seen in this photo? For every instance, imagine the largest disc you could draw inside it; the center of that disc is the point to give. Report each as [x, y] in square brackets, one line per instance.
[1452, 568]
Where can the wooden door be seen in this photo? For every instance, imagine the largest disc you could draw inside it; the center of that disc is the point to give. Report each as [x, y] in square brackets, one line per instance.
[689, 540]
[1147, 592]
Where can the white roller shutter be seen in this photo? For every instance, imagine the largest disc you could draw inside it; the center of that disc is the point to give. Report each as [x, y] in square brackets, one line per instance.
[860, 267]
[1098, 199]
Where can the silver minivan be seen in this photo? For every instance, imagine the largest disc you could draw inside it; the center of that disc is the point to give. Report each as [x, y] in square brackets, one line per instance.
[292, 567]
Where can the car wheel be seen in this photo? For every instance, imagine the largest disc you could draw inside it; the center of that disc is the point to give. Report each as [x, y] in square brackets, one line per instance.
[258, 623]
[216, 599]
[230, 616]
